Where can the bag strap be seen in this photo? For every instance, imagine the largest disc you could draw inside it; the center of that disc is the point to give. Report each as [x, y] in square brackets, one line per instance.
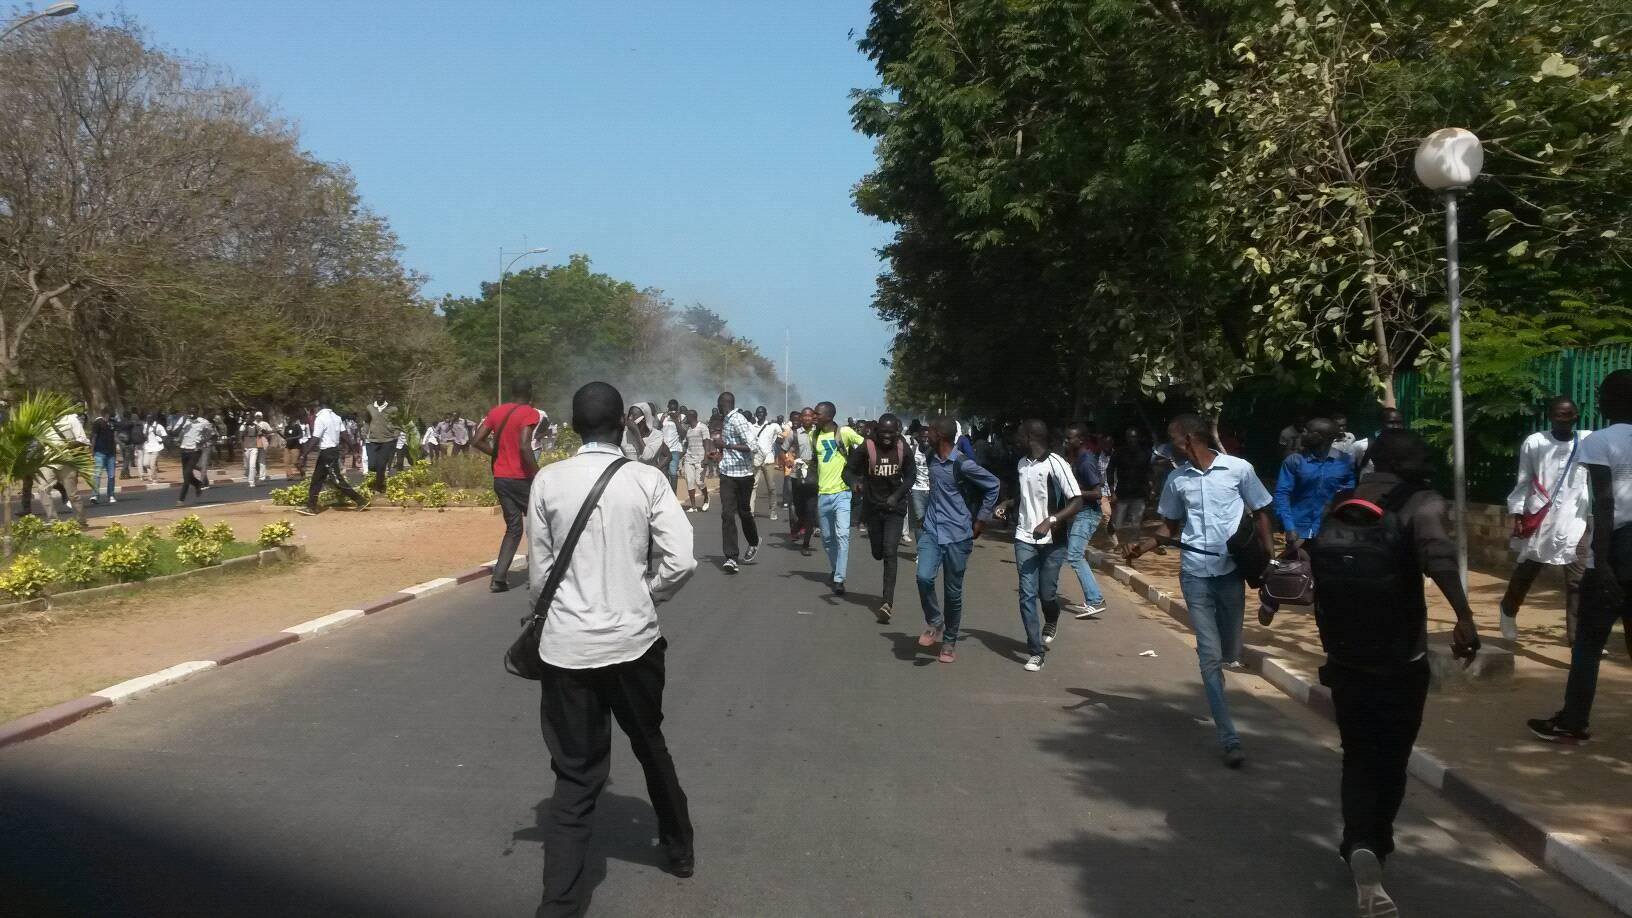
[563, 556]
[498, 438]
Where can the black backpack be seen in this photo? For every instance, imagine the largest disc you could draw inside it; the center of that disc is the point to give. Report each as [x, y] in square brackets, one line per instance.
[1370, 606]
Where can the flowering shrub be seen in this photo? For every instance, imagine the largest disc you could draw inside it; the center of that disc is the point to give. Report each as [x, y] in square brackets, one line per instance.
[64, 529]
[148, 532]
[201, 552]
[275, 534]
[436, 496]
[79, 568]
[26, 529]
[221, 532]
[116, 532]
[27, 577]
[129, 560]
[187, 528]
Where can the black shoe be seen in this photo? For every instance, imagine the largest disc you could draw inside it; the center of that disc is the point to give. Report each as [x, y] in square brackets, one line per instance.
[498, 586]
[1234, 757]
[730, 566]
[683, 865]
[804, 550]
[838, 588]
[749, 555]
[1553, 732]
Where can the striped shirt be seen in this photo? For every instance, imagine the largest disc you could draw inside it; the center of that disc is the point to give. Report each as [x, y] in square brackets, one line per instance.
[738, 431]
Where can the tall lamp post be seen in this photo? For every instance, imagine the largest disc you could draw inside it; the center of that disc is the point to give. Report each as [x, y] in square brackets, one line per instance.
[55, 9]
[504, 268]
[1448, 160]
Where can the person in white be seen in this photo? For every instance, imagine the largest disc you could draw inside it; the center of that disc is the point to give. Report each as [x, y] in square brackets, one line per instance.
[1045, 480]
[153, 434]
[70, 429]
[326, 429]
[256, 435]
[1552, 485]
[917, 440]
[765, 456]
[602, 649]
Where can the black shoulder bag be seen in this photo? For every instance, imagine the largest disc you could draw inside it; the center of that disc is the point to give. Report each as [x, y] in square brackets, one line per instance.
[522, 658]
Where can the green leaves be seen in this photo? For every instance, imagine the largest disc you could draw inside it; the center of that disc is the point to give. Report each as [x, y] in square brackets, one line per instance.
[1554, 66]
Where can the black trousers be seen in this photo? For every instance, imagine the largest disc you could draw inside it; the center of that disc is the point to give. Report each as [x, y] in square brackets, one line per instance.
[328, 465]
[189, 472]
[1524, 577]
[884, 533]
[1597, 619]
[736, 496]
[513, 495]
[803, 510]
[379, 460]
[127, 452]
[574, 715]
[1378, 716]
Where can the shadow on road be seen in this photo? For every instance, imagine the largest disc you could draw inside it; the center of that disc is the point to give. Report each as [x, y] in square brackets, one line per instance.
[625, 830]
[1001, 644]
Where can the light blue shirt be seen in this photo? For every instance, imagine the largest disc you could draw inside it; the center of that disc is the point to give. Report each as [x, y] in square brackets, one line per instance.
[1211, 503]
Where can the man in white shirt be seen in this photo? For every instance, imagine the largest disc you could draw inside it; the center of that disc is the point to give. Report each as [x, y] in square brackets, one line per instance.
[1046, 499]
[737, 447]
[601, 646]
[326, 429]
[672, 439]
[765, 455]
[192, 433]
[1552, 482]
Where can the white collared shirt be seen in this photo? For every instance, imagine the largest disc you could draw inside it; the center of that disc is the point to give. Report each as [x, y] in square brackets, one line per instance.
[326, 427]
[1031, 499]
[604, 612]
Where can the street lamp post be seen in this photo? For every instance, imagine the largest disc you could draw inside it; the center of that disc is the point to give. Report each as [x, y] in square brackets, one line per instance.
[1448, 161]
[55, 9]
[504, 269]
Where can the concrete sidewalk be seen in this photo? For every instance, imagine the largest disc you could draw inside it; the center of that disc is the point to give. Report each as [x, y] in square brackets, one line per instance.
[1478, 729]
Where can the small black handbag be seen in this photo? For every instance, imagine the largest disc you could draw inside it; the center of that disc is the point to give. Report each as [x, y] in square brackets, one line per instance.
[522, 658]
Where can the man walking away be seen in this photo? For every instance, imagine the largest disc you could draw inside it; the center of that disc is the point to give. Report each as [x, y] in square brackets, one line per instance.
[256, 438]
[765, 455]
[1308, 481]
[696, 449]
[326, 431]
[601, 646]
[1130, 487]
[832, 445]
[1046, 501]
[1203, 502]
[1086, 467]
[105, 454]
[1369, 561]
[886, 471]
[736, 482]
[952, 523]
[381, 433]
[194, 433]
[799, 443]
[1552, 486]
[1607, 455]
[506, 434]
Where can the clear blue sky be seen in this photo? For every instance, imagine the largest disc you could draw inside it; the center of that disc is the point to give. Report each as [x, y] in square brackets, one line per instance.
[703, 147]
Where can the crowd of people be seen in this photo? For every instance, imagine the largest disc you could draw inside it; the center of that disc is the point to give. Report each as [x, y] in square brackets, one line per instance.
[1349, 526]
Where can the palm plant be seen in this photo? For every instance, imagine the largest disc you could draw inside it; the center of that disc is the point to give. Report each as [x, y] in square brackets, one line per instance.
[29, 443]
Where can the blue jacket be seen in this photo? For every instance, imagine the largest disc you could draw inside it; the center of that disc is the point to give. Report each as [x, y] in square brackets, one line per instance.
[1306, 485]
[947, 517]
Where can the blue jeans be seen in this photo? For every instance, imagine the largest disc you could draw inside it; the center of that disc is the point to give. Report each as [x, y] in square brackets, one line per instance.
[833, 510]
[1083, 527]
[1216, 605]
[1039, 583]
[105, 463]
[951, 559]
[920, 502]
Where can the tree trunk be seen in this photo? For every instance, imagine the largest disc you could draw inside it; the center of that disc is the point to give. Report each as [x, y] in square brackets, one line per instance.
[5, 522]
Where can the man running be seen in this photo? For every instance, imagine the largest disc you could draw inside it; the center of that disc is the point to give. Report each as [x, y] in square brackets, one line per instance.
[506, 434]
[798, 443]
[1046, 500]
[696, 449]
[886, 471]
[832, 448]
[326, 430]
[1086, 466]
[736, 445]
[948, 534]
[1204, 498]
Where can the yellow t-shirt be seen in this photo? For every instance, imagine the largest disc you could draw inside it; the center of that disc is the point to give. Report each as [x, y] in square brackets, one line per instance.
[830, 459]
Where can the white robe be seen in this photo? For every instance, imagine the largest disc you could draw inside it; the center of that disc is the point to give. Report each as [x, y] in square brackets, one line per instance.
[1541, 460]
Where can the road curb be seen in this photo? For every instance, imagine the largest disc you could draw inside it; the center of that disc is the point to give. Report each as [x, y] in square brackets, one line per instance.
[49, 720]
[1570, 856]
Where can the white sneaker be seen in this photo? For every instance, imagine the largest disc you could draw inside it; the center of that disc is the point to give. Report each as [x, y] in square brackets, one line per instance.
[1035, 663]
[1510, 626]
[773, 514]
[705, 506]
[906, 538]
[1371, 900]
[113, 500]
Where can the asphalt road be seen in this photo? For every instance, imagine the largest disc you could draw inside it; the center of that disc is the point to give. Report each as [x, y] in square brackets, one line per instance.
[393, 768]
[131, 502]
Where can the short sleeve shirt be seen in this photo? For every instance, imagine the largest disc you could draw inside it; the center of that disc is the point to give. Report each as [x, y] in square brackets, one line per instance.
[1211, 503]
[1612, 449]
[1031, 499]
[514, 416]
[738, 431]
[831, 452]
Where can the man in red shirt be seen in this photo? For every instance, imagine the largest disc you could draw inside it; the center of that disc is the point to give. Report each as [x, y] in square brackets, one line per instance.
[506, 434]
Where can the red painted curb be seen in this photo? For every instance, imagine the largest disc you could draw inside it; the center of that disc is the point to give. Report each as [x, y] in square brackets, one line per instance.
[53, 718]
[243, 650]
[475, 573]
[380, 605]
